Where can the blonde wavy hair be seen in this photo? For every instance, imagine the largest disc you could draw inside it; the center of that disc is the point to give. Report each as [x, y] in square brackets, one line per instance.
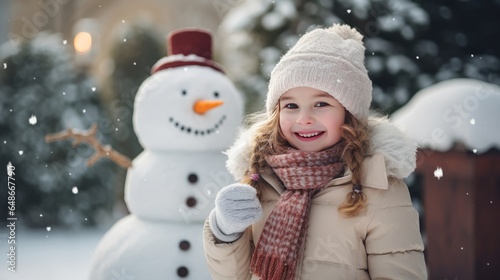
[269, 140]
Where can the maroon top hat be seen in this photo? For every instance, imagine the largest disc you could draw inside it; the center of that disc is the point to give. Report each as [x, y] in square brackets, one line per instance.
[188, 46]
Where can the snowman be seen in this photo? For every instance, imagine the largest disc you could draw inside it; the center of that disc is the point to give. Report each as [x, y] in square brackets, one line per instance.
[185, 114]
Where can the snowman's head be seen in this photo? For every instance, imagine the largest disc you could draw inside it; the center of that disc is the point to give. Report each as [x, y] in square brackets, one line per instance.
[188, 108]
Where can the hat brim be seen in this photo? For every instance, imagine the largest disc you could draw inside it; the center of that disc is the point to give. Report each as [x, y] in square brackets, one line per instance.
[181, 60]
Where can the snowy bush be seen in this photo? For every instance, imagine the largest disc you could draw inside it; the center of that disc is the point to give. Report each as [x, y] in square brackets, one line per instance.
[40, 93]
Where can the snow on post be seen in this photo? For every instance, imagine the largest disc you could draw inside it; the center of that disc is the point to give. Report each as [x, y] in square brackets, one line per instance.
[454, 111]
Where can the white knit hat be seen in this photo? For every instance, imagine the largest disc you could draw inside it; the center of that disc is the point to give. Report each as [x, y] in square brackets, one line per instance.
[330, 60]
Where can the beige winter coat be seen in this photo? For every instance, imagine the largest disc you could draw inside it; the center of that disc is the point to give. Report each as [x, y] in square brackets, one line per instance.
[382, 243]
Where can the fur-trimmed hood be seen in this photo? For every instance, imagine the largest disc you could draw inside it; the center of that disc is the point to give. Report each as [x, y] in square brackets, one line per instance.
[398, 149]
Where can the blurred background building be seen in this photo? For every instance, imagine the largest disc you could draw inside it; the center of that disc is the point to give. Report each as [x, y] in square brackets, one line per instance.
[90, 26]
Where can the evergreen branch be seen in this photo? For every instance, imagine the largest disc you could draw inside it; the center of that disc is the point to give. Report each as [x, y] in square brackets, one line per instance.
[89, 137]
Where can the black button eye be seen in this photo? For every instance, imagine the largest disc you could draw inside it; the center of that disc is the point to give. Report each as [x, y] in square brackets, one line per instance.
[216, 94]
[184, 92]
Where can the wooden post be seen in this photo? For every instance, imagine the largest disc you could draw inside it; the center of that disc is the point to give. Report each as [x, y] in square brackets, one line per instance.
[462, 213]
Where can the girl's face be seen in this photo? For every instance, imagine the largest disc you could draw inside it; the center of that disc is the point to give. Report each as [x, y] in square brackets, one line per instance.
[310, 119]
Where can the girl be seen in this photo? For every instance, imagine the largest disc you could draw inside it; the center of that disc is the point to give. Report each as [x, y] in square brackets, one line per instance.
[321, 193]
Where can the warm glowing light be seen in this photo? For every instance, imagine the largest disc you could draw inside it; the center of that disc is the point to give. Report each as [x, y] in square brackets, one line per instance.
[83, 42]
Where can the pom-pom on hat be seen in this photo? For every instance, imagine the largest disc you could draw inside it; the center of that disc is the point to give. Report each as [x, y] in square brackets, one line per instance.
[188, 46]
[330, 60]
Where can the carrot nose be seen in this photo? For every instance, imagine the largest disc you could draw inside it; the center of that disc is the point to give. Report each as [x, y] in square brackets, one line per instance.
[203, 106]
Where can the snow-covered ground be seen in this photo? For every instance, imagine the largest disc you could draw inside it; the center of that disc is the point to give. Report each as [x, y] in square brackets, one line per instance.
[50, 255]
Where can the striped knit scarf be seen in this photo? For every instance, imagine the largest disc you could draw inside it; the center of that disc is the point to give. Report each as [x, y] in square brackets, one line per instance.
[281, 242]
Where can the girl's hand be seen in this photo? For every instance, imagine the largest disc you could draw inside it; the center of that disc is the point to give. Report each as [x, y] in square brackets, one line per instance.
[236, 208]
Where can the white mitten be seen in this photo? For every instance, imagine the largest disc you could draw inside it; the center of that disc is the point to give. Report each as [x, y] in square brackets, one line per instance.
[236, 208]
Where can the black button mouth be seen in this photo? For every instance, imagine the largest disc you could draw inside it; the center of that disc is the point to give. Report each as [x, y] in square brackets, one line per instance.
[202, 132]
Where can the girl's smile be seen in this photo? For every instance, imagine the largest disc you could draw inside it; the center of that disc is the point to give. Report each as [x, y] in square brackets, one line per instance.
[310, 119]
[309, 136]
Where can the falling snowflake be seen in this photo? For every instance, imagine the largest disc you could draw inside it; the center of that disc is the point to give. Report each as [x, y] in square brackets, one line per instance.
[84, 111]
[5, 66]
[21, 152]
[49, 228]
[473, 121]
[438, 173]
[349, 11]
[93, 88]
[65, 42]
[474, 150]
[32, 120]
[74, 190]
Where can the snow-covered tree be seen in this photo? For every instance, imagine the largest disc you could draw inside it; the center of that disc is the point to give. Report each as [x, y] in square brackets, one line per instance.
[41, 93]
[462, 41]
[135, 48]
[409, 44]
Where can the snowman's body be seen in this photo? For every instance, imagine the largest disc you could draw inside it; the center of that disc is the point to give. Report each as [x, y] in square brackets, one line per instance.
[171, 186]
[183, 185]
[135, 249]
